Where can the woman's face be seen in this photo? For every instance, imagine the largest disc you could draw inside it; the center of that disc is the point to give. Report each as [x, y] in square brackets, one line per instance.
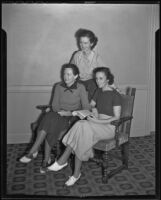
[85, 44]
[101, 79]
[69, 77]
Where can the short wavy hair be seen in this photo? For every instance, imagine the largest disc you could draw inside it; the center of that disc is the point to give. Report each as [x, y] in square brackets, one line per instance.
[74, 68]
[86, 33]
[107, 73]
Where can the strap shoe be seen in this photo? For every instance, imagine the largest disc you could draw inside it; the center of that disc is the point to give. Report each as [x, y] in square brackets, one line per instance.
[72, 180]
[56, 167]
[27, 158]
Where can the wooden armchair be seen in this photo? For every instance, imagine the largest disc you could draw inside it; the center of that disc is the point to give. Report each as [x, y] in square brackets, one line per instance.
[121, 139]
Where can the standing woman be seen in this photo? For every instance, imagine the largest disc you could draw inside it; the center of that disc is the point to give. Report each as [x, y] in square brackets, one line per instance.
[85, 133]
[69, 95]
[87, 59]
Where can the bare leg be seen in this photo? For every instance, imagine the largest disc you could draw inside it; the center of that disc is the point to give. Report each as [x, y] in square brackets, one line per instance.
[40, 138]
[63, 159]
[47, 151]
[76, 175]
[78, 164]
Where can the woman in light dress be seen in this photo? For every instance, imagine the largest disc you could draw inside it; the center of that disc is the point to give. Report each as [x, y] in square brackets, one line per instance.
[86, 58]
[106, 104]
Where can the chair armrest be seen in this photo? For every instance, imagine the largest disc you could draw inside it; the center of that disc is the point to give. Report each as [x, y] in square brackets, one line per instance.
[43, 107]
[117, 123]
[121, 120]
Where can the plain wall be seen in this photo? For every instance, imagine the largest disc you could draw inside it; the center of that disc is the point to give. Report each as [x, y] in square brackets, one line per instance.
[40, 38]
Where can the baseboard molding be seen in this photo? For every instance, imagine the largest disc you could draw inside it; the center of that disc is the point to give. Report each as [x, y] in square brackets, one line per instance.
[152, 132]
[138, 133]
[13, 138]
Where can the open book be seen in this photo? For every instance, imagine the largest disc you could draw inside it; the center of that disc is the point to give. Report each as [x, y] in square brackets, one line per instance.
[82, 113]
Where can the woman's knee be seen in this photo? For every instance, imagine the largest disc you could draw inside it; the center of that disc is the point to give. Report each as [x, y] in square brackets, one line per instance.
[81, 122]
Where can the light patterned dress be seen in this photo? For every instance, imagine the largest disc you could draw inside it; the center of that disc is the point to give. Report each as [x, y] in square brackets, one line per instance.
[84, 134]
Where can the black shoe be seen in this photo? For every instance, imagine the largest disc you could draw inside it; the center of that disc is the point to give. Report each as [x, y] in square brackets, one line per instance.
[43, 168]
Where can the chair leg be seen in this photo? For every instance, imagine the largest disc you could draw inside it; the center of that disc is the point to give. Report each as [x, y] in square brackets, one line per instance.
[104, 167]
[125, 154]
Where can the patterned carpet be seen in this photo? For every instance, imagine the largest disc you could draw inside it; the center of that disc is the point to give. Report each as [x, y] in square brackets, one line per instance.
[139, 179]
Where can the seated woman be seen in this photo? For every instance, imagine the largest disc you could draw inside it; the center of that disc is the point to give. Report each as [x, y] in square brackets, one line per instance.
[85, 133]
[69, 96]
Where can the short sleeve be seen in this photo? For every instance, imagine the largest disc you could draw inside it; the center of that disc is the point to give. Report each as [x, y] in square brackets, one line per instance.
[117, 100]
[73, 60]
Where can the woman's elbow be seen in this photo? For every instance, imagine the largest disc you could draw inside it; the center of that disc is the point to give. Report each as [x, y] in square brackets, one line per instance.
[117, 117]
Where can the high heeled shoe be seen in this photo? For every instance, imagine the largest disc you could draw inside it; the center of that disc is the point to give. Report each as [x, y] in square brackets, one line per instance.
[27, 158]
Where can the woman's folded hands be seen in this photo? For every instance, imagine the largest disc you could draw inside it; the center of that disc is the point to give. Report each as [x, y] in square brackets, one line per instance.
[65, 113]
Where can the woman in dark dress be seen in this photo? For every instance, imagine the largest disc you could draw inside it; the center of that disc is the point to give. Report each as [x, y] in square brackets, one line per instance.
[69, 95]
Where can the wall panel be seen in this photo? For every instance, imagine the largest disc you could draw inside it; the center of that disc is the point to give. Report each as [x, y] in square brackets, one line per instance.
[21, 110]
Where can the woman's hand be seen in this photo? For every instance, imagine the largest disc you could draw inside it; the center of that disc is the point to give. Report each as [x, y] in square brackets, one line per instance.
[65, 113]
[105, 119]
[95, 112]
[92, 119]
[99, 120]
[47, 109]
[80, 116]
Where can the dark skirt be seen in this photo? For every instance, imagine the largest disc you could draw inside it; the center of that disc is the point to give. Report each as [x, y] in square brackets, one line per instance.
[53, 124]
[90, 86]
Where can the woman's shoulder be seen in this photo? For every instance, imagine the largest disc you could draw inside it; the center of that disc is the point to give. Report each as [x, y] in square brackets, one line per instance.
[77, 53]
[112, 93]
[76, 56]
[115, 92]
[80, 85]
[116, 95]
[58, 85]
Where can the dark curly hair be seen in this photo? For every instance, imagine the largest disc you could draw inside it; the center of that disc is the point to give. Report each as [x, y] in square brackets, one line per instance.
[74, 68]
[86, 33]
[106, 71]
